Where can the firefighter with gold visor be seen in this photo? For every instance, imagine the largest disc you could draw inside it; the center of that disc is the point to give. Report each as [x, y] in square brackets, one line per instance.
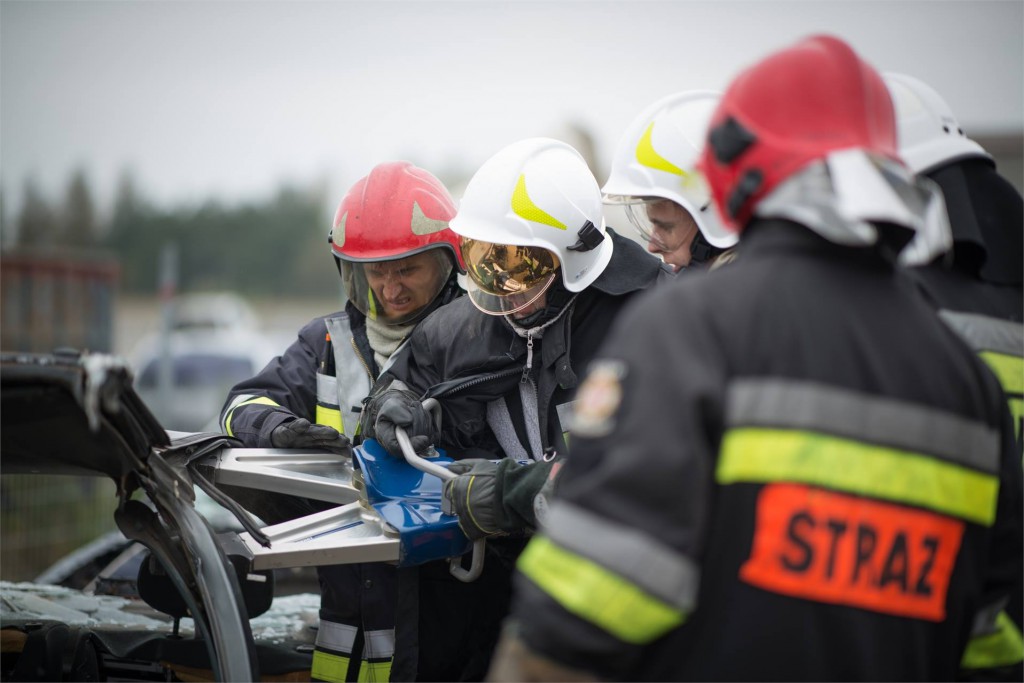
[545, 280]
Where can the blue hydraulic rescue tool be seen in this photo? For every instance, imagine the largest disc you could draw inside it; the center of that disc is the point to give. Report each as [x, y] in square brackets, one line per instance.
[389, 510]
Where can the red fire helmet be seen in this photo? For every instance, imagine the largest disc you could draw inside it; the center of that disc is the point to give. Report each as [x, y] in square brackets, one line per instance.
[396, 211]
[792, 108]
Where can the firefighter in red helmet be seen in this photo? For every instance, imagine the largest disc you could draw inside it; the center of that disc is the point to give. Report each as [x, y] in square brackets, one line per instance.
[398, 261]
[808, 476]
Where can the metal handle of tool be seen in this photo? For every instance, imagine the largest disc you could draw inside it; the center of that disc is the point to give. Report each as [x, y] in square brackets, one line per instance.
[476, 566]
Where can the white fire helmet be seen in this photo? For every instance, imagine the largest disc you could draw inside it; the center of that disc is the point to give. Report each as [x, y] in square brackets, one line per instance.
[657, 158]
[927, 132]
[531, 211]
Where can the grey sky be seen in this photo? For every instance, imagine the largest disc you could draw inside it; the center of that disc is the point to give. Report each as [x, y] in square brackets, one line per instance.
[231, 98]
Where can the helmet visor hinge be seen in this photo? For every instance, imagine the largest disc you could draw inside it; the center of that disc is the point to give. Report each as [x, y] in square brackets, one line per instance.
[701, 250]
[589, 238]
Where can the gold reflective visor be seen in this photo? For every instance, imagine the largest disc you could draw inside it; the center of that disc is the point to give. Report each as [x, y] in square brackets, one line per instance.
[504, 269]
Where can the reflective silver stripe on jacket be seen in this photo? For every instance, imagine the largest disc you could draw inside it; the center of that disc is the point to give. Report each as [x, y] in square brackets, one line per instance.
[985, 620]
[861, 417]
[229, 408]
[337, 637]
[564, 411]
[632, 554]
[984, 333]
[327, 390]
[352, 379]
[379, 644]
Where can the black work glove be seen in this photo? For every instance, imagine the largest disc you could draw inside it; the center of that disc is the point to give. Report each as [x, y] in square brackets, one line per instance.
[474, 497]
[300, 433]
[401, 409]
[499, 498]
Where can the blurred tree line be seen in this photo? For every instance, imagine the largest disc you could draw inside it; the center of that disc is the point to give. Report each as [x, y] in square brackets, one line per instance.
[276, 246]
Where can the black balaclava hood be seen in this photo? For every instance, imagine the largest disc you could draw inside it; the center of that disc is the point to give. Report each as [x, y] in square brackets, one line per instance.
[986, 214]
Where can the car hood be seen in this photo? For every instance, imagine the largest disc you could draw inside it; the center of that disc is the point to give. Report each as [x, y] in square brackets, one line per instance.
[71, 414]
[77, 413]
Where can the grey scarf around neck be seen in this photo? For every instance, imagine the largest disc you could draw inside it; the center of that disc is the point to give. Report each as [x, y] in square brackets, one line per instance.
[385, 339]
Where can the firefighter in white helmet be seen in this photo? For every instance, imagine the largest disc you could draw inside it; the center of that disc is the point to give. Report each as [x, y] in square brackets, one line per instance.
[654, 178]
[973, 273]
[546, 280]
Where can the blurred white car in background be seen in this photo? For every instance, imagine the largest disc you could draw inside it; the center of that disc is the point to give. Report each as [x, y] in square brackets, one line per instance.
[214, 341]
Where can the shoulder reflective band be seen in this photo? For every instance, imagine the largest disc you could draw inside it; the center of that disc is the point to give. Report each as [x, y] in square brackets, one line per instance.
[812, 407]
[597, 595]
[1009, 370]
[245, 401]
[985, 333]
[627, 551]
[848, 441]
[1000, 343]
[768, 455]
[1002, 647]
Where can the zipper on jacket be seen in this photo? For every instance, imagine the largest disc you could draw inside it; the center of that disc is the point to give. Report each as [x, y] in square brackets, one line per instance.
[479, 379]
[529, 358]
[362, 361]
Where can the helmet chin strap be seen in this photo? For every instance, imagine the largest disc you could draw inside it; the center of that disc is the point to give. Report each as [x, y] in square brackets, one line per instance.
[701, 250]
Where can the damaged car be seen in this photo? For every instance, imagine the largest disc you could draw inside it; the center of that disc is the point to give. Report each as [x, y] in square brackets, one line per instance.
[182, 598]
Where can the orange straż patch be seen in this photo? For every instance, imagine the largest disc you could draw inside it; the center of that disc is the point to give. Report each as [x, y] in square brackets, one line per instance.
[830, 547]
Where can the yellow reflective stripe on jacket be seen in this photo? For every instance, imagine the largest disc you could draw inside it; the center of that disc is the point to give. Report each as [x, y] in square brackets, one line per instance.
[865, 418]
[643, 560]
[374, 672]
[593, 593]
[328, 667]
[378, 649]
[330, 417]
[1009, 370]
[767, 455]
[1003, 647]
[1000, 343]
[333, 666]
[261, 400]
